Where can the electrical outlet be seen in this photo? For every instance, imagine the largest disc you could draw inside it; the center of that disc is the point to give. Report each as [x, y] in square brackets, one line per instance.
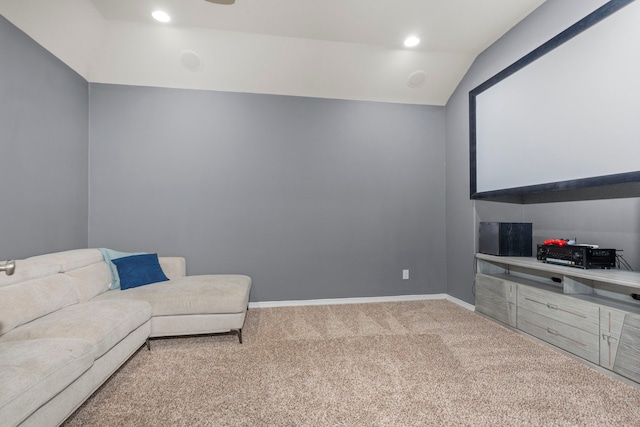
[405, 274]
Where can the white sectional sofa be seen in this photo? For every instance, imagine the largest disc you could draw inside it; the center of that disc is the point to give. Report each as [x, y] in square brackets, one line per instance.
[63, 331]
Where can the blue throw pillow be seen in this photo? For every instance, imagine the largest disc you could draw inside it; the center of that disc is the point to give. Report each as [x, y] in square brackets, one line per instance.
[139, 270]
[109, 255]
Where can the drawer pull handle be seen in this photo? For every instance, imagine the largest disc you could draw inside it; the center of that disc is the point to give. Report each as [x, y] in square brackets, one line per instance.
[552, 306]
[552, 331]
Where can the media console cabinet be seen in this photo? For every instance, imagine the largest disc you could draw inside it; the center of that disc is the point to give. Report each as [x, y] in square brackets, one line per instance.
[589, 313]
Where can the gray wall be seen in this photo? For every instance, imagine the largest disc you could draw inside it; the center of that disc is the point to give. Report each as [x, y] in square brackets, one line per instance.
[44, 143]
[611, 223]
[313, 198]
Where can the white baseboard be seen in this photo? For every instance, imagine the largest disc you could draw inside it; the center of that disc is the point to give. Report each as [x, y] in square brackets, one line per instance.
[363, 300]
[461, 303]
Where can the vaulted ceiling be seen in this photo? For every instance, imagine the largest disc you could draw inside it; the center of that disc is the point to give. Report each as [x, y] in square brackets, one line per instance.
[344, 49]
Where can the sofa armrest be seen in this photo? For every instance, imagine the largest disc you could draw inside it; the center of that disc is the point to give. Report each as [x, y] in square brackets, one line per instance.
[173, 267]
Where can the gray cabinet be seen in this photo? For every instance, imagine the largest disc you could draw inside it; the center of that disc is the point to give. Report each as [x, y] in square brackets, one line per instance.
[586, 312]
[496, 298]
[611, 321]
[563, 321]
[627, 361]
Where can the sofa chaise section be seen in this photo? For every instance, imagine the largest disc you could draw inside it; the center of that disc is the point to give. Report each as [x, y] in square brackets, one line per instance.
[190, 305]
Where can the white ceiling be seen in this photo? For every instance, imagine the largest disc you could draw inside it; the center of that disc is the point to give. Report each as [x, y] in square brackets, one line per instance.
[345, 49]
[463, 26]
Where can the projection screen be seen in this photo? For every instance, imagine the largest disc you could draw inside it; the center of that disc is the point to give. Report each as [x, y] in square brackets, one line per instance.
[567, 115]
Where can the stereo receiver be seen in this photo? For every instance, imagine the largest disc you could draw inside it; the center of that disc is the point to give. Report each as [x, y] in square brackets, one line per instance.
[577, 256]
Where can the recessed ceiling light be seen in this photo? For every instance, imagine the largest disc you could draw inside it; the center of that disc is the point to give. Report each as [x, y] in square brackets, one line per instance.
[161, 16]
[412, 41]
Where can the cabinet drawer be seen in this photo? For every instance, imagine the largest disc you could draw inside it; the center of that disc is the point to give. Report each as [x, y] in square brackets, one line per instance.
[569, 338]
[568, 310]
[496, 298]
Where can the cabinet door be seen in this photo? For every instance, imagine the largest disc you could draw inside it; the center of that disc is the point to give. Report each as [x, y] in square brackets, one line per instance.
[496, 298]
[628, 355]
[611, 321]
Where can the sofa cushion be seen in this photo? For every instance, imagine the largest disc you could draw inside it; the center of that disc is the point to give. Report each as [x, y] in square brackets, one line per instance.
[23, 302]
[30, 269]
[49, 264]
[139, 270]
[91, 280]
[110, 255]
[34, 371]
[76, 258]
[102, 323]
[173, 267]
[205, 294]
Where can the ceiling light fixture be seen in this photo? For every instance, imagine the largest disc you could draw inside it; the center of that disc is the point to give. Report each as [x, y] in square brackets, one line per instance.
[222, 1]
[161, 16]
[412, 41]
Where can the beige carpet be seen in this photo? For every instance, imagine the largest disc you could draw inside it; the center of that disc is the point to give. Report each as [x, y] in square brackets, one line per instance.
[423, 363]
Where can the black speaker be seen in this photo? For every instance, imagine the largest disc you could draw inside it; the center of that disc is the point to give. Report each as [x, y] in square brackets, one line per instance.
[506, 238]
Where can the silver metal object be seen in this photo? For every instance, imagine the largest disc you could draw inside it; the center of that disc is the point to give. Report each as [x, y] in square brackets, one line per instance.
[9, 267]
